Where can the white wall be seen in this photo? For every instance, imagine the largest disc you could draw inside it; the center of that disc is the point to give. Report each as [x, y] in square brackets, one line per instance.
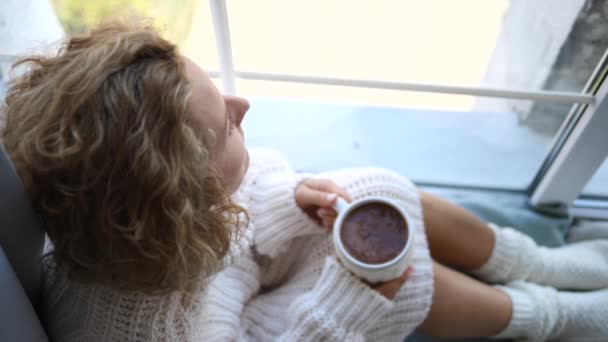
[532, 35]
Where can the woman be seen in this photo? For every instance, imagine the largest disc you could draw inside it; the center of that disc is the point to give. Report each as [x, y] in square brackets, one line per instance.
[136, 164]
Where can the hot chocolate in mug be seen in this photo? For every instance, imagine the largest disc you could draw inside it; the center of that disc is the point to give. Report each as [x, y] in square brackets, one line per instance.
[373, 238]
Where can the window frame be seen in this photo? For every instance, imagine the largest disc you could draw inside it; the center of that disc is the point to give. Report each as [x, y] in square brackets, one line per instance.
[564, 173]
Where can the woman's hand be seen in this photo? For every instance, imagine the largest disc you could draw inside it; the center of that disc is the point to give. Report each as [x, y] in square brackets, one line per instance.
[390, 288]
[316, 198]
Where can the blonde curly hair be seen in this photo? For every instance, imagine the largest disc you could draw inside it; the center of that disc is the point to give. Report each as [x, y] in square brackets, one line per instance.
[101, 136]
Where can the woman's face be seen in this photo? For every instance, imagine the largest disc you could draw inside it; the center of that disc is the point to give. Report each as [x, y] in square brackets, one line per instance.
[223, 116]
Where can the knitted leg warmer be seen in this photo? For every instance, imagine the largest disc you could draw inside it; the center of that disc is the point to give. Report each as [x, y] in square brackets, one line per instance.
[578, 266]
[542, 313]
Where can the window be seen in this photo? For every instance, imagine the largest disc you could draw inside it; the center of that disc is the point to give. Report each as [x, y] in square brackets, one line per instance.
[433, 138]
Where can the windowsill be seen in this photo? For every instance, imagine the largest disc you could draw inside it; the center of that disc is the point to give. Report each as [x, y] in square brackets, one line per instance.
[478, 149]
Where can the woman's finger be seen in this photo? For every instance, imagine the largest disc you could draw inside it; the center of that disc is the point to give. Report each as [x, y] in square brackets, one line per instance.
[326, 212]
[308, 197]
[329, 186]
[327, 217]
[328, 222]
[390, 288]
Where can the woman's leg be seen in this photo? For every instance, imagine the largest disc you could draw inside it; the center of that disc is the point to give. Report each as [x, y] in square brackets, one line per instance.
[499, 255]
[456, 237]
[464, 307]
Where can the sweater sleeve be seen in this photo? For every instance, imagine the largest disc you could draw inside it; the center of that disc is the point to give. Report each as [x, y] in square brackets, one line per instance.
[273, 210]
[225, 300]
[338, 308]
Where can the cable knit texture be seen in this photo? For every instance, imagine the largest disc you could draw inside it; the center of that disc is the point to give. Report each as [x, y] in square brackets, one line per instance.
[577, 266]
[281, 281]
[542, 313]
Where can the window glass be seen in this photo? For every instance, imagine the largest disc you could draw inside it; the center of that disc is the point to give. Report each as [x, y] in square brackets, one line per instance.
[529, 45]
[542, 44]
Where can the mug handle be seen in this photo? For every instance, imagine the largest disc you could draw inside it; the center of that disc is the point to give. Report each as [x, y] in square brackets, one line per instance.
[340, 205]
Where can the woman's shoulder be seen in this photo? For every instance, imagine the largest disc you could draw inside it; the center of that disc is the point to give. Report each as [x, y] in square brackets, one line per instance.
[82, 311]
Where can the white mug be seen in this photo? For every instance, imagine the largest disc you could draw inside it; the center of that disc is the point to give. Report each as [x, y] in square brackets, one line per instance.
[373, 273]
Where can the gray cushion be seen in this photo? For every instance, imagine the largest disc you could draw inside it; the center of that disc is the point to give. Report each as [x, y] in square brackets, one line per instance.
[18, 320]
[21, 235]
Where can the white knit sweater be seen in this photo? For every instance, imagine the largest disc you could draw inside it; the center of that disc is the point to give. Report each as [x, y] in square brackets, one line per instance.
[282, 283]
